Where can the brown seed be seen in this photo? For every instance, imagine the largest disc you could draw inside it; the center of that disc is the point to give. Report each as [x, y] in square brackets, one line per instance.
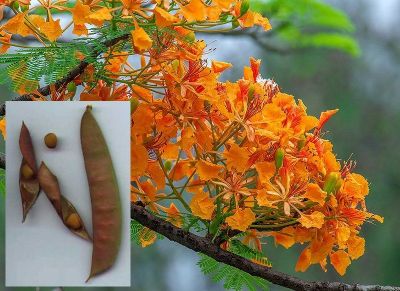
[73, 221]
[50, 140]
[26, 172]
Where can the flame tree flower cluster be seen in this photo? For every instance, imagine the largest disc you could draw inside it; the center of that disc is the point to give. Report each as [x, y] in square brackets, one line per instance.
[239, 159]
[252, 161]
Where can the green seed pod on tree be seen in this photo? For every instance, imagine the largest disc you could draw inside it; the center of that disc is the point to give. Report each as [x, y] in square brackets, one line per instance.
[279, 155]
[330, 182]
[301, 143]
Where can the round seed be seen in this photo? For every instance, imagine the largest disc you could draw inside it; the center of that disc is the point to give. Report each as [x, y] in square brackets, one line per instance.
[27, 172]
[73, 221]
[50, 140]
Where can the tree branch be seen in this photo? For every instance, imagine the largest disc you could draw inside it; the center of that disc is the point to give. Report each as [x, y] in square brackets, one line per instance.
[78, 70]
[205, 246]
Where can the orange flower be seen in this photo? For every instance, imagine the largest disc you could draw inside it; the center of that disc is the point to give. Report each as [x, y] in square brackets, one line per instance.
[342, 233]
[355, 186]
[219, 67]
[181, 169]
[285, 237]
[3, 127]
[325, 116]
[253, 18]
[163, 18]
[202, 205]
[265, 170]
[5, 39]
[315, 194]
[16, 25]
[139, 157]
[80, 12]
[315, 219]
[237, 158]
[174, 216]
[207, 170]
[304, 261]
[241, 219]
[156, 174]
[140, 39]
[355, 247]
[195, 10]
[340, 261]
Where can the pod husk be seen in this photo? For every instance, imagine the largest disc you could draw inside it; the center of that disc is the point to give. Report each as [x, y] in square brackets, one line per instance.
[49, 183]
[104, 193]
[29, 187]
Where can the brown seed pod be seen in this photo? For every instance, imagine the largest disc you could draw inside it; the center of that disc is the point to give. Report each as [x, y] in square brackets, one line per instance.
[28, 183]
[50, 140]
[65, 210]
[104, 194]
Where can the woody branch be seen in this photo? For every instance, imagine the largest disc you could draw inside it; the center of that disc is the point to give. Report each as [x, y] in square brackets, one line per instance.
[209, 248]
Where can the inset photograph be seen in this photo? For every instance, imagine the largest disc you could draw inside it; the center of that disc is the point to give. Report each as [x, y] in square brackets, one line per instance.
[68, 194]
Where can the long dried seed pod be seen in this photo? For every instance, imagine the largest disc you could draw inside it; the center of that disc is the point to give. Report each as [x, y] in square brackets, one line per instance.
[28, 183]
[104, 194]
[65, 210]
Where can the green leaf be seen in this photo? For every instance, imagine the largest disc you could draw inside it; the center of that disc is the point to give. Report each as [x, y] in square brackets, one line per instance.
[136, 229]
[304, 12]
[237, 247]
[338, 41]
[309, 23]
[244, 7]
[192, 222]
[232, 277]
[29, 66]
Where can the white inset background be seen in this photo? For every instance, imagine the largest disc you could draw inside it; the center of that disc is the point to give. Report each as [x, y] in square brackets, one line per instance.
[42, 251]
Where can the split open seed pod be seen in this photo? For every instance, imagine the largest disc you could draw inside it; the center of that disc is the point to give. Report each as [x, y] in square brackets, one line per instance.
[104, 194]
[28, 182]
[65, 210]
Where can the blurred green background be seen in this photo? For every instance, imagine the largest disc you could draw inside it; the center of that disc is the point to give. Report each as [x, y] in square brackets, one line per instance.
[365, 87]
